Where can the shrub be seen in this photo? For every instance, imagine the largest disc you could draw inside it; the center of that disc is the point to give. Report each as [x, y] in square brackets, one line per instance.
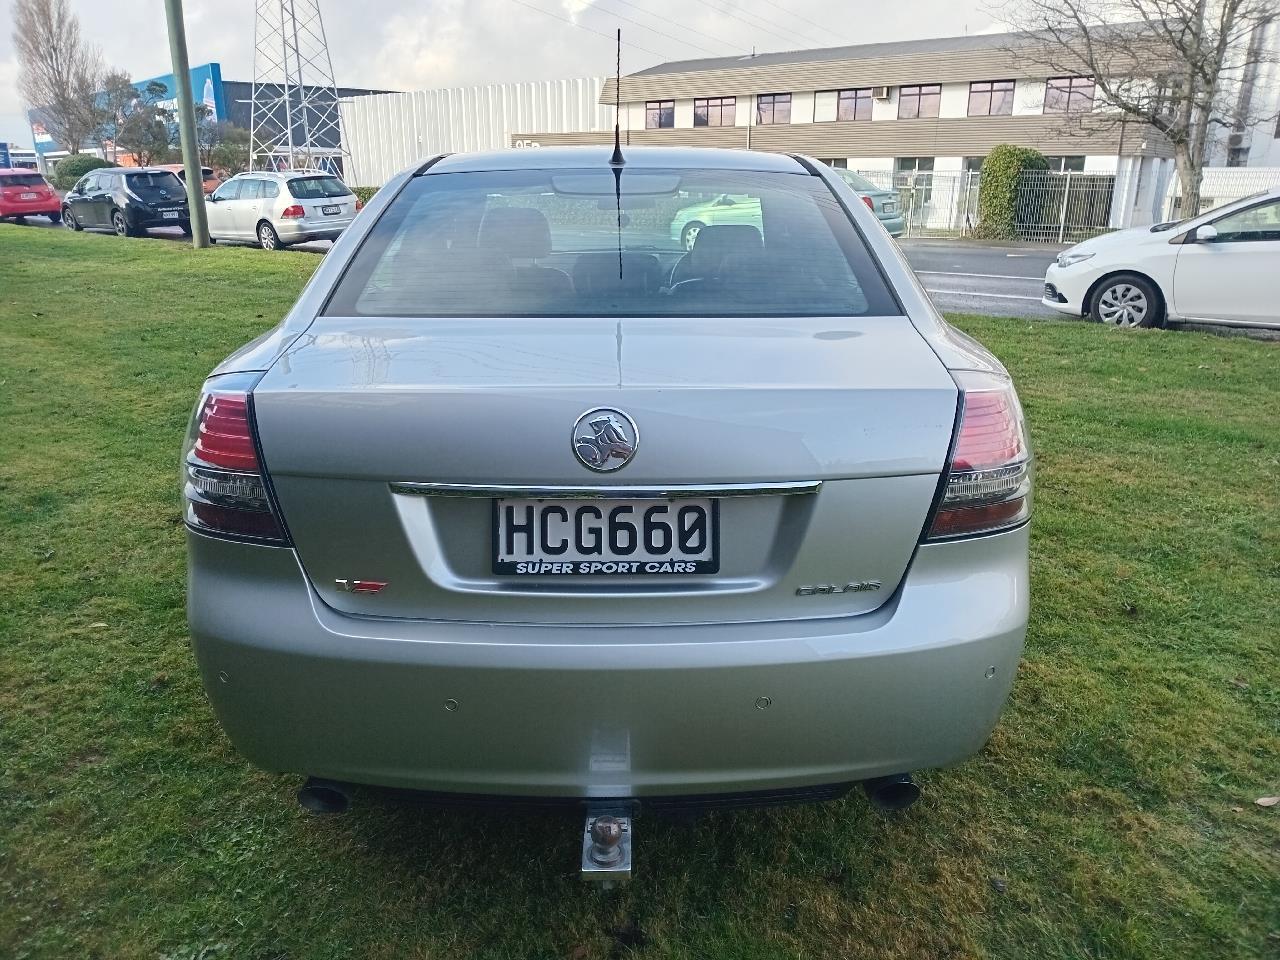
[998, 189]
[70, 169]
[364, 194]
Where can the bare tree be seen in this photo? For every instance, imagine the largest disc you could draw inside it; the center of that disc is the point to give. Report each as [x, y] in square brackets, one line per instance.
[1184, 68]
[58, 73]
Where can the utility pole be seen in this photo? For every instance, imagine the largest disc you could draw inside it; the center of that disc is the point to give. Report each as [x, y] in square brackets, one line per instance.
[187, 123]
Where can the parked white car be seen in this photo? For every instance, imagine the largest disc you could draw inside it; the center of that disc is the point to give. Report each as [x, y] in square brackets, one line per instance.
[1220, 267]
[275, 210]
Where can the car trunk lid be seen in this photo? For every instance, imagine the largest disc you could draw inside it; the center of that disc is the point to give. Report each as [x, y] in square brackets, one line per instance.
[852, 416]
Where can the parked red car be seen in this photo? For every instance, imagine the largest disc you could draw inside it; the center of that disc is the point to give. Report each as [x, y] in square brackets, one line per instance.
[25, 193]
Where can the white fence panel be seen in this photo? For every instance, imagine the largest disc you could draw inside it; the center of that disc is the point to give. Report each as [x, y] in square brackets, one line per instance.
[391, 131]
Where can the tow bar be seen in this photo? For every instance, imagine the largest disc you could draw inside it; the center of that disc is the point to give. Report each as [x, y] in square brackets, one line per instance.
[606, 847]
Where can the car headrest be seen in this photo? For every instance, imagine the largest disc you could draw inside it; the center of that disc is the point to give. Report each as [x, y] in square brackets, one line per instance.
[598, 273]
[719, 242]
[519, 232]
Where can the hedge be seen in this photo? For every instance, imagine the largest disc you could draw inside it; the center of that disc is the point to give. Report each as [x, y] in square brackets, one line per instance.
[364, 194]
[70, 169]
[998, 189]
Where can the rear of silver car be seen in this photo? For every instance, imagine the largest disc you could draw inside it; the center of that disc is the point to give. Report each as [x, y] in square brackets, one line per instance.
[313, 207]
[601, 539]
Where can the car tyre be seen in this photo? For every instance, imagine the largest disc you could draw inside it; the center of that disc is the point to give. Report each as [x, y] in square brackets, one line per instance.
[689, 235]
[55, 216]
[1127, 300]
[69, 220]
[268, 239]
[120, 224]
[20, 221]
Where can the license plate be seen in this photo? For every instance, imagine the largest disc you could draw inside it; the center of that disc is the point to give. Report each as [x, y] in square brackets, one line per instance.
[890, 206]
[331, 211]
[27, 196]
[170, 214]
[606, 537]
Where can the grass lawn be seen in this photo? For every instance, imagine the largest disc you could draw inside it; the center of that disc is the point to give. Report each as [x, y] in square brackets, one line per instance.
[1112, 814]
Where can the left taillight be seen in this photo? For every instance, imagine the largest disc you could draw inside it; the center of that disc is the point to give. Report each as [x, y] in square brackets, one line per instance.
[988, 481]
[871, 204]
[223, 483]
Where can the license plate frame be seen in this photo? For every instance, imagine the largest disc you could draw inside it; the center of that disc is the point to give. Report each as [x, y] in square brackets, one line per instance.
[331, 210]
[28, 196]
[169, 214]
[608, 563]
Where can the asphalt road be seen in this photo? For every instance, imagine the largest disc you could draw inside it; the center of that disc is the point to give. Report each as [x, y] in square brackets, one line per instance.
[968, 277]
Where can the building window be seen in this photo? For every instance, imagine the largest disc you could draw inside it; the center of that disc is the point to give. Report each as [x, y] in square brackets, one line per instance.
[1068, 95]
[1066, 164]
[991, 98]
[919, 101]
[773, 108]
[714, 111]
[1237, 156]
[913, 178]
[973, 164]
[839, 163]
[659, 113]
[853, 104]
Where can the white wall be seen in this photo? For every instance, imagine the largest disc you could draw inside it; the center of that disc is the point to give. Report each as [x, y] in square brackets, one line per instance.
[388, 132]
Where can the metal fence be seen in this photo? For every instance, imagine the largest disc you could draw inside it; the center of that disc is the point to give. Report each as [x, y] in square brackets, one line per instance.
[1221, 185]
[1050, 207]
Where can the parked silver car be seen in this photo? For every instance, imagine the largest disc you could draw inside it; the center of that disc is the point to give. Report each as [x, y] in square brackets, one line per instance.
[522, 498]
[275, 210]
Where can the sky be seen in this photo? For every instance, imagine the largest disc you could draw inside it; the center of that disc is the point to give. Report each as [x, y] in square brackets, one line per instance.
[398, 45]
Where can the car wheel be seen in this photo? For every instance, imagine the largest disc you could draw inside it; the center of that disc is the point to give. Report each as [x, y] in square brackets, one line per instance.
[689, 235]
[268, 239]
[120, 225]
[1127, 300]
[55, 216]
[185, 226]
[20, 221]
[69, 220]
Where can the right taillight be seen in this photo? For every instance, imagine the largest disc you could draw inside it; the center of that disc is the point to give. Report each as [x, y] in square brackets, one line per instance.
[988, 482]
[224, 486]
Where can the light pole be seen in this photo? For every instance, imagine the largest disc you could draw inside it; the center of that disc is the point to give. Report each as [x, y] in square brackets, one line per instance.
[187, 123]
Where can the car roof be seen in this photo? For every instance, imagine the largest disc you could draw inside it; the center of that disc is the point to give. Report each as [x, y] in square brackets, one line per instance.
[284, 174]
[543, 158]
[8, 170]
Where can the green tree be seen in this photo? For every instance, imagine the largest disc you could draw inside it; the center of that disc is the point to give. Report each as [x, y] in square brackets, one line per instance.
[147, 129]
[229, 152]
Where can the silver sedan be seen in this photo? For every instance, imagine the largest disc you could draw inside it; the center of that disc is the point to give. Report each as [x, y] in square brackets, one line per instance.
[275, 210]
[523, 498]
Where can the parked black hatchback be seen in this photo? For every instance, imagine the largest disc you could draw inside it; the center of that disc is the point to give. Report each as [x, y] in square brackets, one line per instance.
[128, 200]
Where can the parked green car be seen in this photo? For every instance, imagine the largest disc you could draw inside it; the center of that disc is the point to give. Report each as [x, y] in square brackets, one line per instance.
[688, 221]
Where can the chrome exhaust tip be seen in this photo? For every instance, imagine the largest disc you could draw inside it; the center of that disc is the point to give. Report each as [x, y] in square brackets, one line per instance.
[323, 796]
[894, 792]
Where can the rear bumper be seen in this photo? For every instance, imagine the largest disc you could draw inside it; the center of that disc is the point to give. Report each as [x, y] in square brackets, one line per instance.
[571, 711]
[37, 208]
[143, 218]
[894, 225]
[291, 231]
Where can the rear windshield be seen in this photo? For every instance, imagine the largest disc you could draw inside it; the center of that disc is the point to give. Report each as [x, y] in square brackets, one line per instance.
[153, 183]
[532, 243]
[318, 188]
[22, 180]
[859, 183]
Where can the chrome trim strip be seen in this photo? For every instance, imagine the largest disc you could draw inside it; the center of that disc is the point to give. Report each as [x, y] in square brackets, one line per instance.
[674, 491]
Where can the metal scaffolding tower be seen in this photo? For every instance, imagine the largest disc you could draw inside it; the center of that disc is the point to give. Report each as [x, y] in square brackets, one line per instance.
[295, 122]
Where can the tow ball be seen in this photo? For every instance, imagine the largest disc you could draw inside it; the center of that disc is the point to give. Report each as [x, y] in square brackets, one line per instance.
[606, 848]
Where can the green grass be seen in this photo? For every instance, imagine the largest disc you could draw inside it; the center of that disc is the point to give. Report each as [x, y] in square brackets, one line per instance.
[1111, 816]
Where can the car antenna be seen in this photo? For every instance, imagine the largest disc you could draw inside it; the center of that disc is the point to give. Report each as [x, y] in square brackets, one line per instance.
[617, 160]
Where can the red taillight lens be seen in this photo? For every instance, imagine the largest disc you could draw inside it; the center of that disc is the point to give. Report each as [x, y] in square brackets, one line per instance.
[988, 483]
[870, 204]
[359, 204]
[224, 438]
[223, 482]
[293, 212]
